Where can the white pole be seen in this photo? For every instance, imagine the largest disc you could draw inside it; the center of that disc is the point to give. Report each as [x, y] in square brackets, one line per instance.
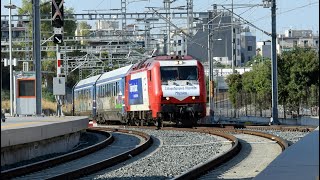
[10, 60]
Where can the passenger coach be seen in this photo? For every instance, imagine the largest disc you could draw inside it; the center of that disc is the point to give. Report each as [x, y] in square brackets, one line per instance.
[162, 88]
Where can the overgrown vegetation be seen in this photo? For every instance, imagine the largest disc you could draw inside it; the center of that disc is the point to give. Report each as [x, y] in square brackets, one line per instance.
[47, 95]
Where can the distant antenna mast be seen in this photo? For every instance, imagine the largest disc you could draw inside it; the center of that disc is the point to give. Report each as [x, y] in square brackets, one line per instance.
[124, 11]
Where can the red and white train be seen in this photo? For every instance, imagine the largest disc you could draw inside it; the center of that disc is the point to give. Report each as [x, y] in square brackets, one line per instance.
[162, 88]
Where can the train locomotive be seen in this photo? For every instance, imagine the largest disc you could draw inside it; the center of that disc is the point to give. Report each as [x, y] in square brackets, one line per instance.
[161, 88]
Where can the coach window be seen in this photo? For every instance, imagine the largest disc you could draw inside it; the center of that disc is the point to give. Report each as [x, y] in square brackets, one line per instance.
[87, 94]
[117, 88]
[106, 90]
[102, 92]
[114, 89]
[110, 89]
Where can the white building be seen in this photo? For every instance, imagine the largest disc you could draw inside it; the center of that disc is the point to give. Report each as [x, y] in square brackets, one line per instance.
[107, 25]
[264, 49]
[299, 38]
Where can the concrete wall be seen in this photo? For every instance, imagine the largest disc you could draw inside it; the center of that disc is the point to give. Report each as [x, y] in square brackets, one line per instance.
[11, 137]
[27, 151]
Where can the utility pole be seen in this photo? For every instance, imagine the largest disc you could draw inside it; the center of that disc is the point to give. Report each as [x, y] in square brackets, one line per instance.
[233, 41]
[123, 12]
[211, 83]
[274, 65]
[189, 23]
[10, 6]
[36, 53]
[167, 8]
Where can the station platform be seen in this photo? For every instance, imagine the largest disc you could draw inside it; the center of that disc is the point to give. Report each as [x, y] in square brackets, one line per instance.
[24, 138]
[299, 161]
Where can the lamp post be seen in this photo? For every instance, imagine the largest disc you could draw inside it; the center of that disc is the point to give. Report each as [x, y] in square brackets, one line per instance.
[211, 103]
[10, 6]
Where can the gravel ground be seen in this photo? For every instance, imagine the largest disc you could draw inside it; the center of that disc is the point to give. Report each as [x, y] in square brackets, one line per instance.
[172, 153]
[86, 139]
[256, 154]
[290, 136]
[122, 143]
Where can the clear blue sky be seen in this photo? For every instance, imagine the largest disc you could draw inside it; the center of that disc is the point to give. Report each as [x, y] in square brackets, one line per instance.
[294, 14]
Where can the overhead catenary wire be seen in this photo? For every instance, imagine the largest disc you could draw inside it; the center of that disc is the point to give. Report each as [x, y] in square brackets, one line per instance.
[265, 32]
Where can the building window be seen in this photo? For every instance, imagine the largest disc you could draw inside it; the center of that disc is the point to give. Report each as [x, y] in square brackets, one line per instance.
[305, 43]
[249, 48]
[295, 43]
[317, 43]
[238, 52]
[179, 42]
[238, 41]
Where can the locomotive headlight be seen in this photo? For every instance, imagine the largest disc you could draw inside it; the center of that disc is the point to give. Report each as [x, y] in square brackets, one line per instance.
[179, 62]
[193, 97]
[167, 98]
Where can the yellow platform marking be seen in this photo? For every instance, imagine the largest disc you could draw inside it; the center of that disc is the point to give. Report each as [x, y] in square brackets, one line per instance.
[18, 124]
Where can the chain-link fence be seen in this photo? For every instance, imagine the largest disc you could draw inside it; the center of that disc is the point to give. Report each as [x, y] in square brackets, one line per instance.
[252, 104]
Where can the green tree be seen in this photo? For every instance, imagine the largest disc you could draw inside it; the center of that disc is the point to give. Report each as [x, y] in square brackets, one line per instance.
[248, 88]
[304, 74]
[84, 29]
[284, 65]
[234, 82]
[46, 32]
[262, 84]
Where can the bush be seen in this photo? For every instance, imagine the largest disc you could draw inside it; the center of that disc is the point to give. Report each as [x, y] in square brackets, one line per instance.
[5, 95]
[48, 95]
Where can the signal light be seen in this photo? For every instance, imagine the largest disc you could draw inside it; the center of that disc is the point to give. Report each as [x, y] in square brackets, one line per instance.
[57, 13]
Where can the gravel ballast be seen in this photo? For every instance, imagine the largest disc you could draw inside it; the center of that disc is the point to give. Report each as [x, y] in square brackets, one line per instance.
[173, 153]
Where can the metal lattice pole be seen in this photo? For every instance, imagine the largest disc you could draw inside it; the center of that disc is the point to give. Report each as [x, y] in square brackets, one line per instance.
[124, 12]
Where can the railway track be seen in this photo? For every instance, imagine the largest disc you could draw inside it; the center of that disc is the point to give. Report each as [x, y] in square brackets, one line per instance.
[198, 169]
[255, 155]
[176, 150]
[70, 166]
[166, 155]
[37, 166]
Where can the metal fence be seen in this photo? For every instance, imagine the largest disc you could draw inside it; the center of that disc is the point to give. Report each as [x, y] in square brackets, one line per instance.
[248, 104]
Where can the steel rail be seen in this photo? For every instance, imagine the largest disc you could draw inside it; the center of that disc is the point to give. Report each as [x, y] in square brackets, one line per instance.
[201, 169]
[37, 166]
[105, 163]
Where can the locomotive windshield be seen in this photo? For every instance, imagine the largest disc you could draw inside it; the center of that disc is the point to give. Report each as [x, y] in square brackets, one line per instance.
[178, 73]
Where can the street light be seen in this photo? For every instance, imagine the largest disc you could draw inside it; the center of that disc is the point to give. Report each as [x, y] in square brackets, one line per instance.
[10, 6]
[211, 103]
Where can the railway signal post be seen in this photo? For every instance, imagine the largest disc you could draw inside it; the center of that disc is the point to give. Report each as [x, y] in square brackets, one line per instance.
[57, 24]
